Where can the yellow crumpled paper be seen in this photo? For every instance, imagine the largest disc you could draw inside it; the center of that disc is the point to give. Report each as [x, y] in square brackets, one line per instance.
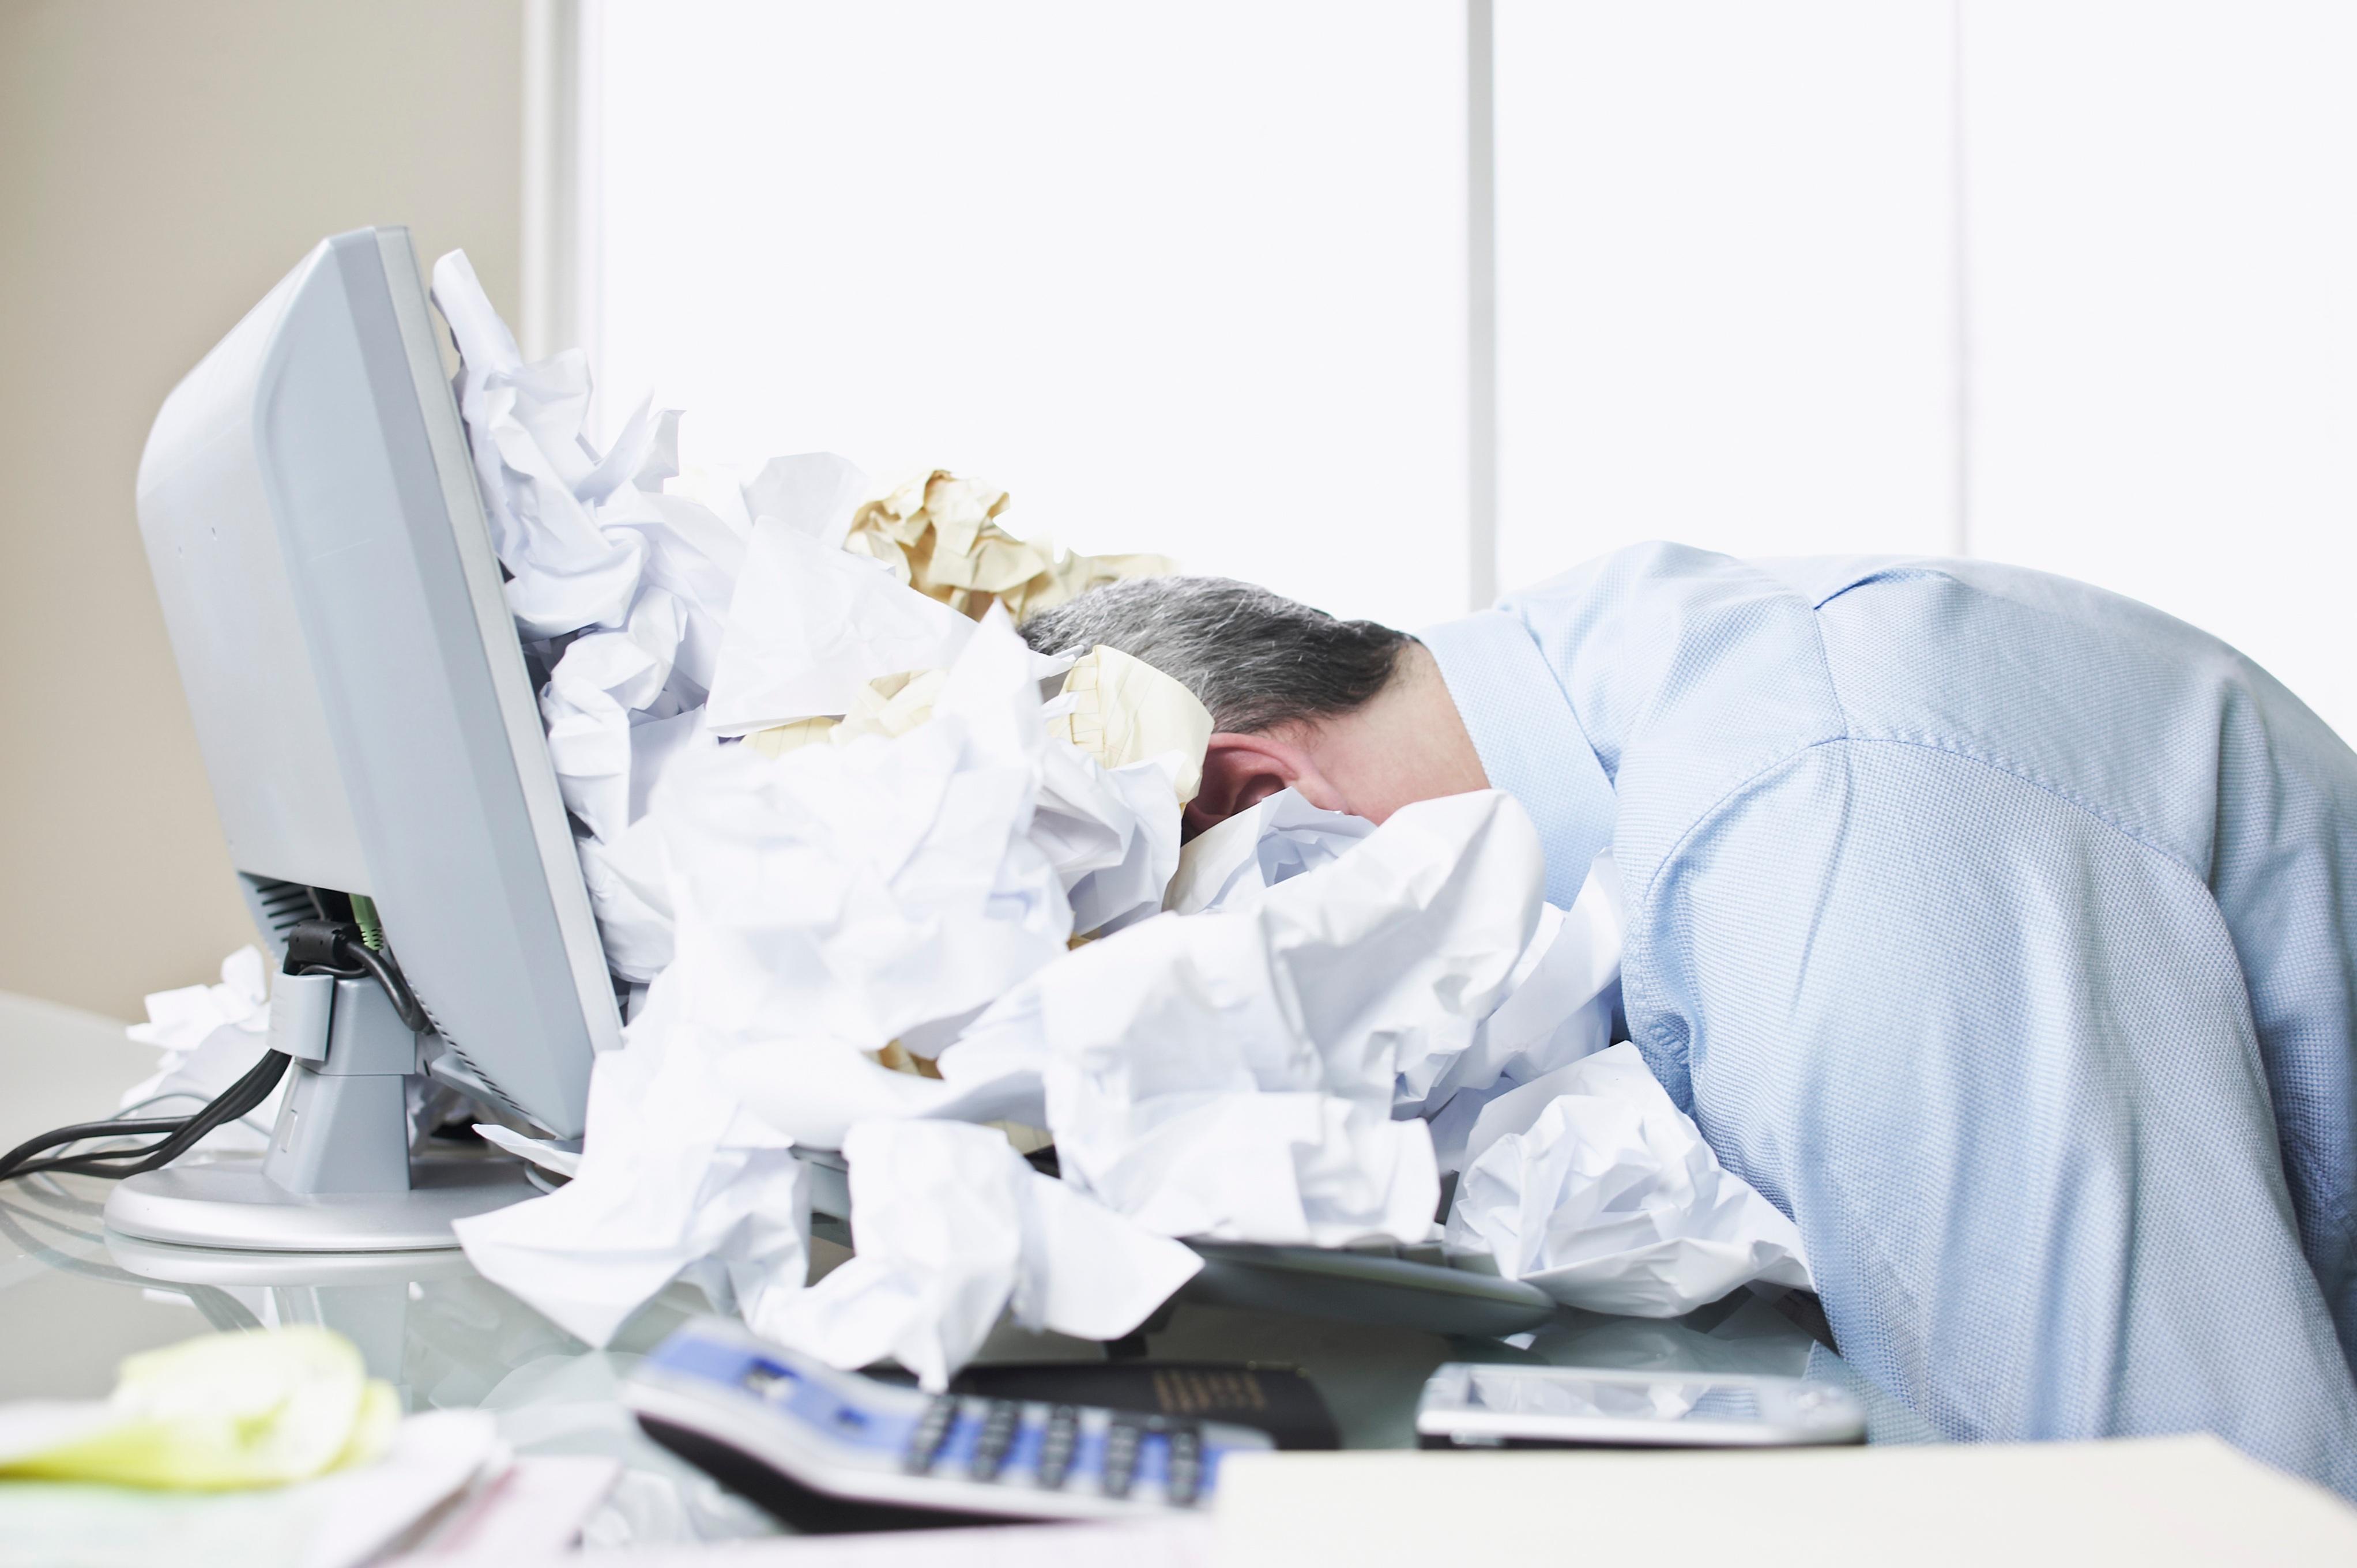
[1122, 710]
[779, 739]
[214, 1413]
[937, 535]
[888, 705]
[1118, 709]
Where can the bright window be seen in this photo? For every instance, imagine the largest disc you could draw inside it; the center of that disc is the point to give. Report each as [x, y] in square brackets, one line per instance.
[2070, 282]
[1185, 278]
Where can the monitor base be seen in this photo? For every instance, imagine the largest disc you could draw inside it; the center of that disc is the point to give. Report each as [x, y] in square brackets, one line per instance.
[231, 1204]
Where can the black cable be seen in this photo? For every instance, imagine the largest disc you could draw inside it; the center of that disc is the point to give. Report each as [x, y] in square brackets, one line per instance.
[81, 1130]
[396, 987]
[334, 947]
[114, 1163]
[240, 1097]
[325, 946]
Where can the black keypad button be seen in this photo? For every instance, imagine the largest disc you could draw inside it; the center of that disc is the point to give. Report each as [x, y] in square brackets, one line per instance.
[1184, 1482]
[1056, 1446]
[1122, 1440]
[999, 1425]
[933, 1431]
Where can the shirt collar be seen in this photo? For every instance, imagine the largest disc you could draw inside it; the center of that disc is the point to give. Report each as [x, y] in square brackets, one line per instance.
[1530, 741]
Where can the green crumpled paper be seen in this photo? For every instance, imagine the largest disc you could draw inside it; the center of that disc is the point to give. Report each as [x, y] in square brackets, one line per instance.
[214, 1414]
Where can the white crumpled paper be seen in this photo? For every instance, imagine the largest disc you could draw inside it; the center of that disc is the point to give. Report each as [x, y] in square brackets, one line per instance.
[854, 894]
[211, 1036]
[1121, 710]
[629, 886]
[1230, 1075]
[621, 590]
[1589, 1183]
[674, 1178]
[811, 623]
[599, 708]
[828, 901]
[540, 479]
[812, 892]
[1232, 862]
[954, 1228]
[1559, 1009]
[1112, 834]
[815, 491]
[1558, 1002]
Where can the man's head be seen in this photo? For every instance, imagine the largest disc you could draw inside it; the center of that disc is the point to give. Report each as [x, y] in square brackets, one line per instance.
[1351, 713]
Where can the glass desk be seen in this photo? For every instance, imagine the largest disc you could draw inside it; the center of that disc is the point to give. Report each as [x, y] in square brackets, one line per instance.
[74, 1300]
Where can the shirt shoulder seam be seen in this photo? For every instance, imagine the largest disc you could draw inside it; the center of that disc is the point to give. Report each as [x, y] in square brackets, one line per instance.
[2026, 775]
[1926, 743]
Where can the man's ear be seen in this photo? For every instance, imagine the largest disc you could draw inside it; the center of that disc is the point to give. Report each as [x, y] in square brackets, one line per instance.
[1239, 771]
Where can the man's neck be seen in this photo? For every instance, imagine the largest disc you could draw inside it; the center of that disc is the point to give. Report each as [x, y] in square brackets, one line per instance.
[1408, 743]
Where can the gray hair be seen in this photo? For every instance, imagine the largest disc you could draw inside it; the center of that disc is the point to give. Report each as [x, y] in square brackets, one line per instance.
[1258, 661]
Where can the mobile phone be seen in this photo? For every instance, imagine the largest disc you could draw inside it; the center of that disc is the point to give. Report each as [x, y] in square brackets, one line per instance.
[1471, 1405]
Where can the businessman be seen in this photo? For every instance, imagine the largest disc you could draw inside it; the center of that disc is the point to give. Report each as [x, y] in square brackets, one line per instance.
[2002, 931]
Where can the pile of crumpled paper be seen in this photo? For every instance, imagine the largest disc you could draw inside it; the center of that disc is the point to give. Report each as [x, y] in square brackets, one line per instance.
[874, 893]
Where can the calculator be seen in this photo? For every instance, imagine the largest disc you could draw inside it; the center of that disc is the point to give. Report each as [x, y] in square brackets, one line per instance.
[827, 1450]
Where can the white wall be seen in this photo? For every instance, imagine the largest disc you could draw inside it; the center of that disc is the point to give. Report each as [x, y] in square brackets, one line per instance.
[162, 164]
[1726, 278]
[2163, 218]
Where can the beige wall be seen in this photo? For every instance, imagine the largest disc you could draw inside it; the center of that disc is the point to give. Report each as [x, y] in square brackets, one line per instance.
[162, 164]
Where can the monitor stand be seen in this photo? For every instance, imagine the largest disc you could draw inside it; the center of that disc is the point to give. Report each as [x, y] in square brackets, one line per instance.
[338, 1176]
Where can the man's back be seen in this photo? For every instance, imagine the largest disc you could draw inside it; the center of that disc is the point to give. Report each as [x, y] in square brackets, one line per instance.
[1998, 929]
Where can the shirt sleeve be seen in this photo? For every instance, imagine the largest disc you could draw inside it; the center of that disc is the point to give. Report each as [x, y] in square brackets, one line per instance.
[1995, 1058]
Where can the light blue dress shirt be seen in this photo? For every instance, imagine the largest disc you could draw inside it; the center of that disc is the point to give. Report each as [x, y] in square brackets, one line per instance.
[2003, 932]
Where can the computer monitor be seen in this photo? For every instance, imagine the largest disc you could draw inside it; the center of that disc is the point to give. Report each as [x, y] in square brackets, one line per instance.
[367, 721]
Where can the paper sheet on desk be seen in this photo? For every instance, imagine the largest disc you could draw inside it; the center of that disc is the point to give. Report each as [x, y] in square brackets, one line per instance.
[2158, 1502]
[338, 1520]
[1589, 1183]
[1176, 1541]
[216, 1412]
